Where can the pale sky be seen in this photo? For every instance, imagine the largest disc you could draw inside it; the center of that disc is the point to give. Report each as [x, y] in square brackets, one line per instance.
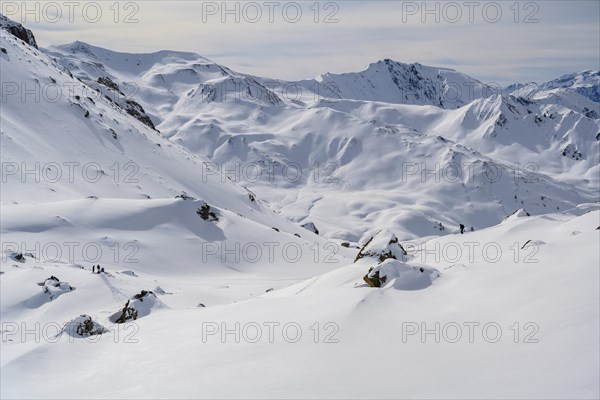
[502, 41]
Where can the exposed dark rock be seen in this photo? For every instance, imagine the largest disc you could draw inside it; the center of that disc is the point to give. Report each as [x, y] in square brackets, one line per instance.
[84, 326]
[18, 30]
[106, 81]
[311, 227]
[137, 111]
[206, 214]
[127, 314]
[136, 307]
[140, 296]
[184, 196]
[374, 280]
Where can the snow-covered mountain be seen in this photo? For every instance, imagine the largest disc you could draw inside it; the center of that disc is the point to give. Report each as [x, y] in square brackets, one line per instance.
[390, 81]
[92, 164]
[393, 122]
[585, 83]
[264, 238]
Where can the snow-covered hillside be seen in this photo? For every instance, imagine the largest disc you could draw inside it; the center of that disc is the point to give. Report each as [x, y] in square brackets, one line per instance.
[172, 228]
[82, 165]
[506, 301]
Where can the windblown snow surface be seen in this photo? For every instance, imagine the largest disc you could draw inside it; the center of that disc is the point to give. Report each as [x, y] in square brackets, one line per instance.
[251, 284]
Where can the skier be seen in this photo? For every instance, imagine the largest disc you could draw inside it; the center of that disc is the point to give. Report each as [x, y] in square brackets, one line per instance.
[102, 269]
[462, 229]
[93, 269]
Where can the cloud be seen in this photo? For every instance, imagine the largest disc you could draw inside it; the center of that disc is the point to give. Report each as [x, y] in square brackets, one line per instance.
[507, 46]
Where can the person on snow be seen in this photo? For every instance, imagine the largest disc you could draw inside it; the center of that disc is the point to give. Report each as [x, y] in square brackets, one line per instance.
[462, 229]
[93, 269]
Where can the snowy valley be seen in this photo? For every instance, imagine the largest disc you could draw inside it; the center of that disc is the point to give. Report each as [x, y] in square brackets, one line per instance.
[262, 238]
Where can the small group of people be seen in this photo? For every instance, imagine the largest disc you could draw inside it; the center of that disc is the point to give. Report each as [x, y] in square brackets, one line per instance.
[96, 269]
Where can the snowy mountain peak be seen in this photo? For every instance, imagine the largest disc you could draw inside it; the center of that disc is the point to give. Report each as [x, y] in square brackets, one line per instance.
[399, 83]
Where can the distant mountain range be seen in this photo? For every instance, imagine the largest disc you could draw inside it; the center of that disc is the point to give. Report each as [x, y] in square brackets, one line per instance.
[382, 130]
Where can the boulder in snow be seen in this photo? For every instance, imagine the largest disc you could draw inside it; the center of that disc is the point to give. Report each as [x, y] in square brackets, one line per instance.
[382, 246]
[207, 213]
[400, 275]
[138, 306]
[84, 326]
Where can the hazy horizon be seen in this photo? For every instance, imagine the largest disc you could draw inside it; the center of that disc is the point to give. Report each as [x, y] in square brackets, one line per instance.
[491, 41]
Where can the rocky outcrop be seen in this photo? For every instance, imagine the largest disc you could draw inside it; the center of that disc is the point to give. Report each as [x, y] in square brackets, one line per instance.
[110, 89]
[138, 306]
[402, 276]
[53, 287]
[18, 30]
[206, 213]
[382, 246]
[84, 326]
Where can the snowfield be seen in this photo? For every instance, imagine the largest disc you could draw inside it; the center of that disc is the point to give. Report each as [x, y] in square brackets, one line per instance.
[175, 229]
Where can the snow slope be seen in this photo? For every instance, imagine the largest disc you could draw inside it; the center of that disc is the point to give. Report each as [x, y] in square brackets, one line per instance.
[521, 322]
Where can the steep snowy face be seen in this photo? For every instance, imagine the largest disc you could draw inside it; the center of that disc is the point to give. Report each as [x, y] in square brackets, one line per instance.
[394, 82]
